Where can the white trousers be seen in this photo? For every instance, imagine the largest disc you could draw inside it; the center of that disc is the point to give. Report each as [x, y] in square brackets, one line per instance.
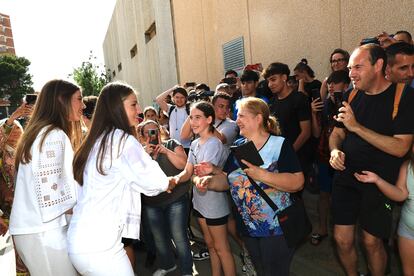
[45, 253]
[108, 263]
[7, 256]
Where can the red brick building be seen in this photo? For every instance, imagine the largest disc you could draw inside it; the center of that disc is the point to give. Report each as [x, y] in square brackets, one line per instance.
[6, 36]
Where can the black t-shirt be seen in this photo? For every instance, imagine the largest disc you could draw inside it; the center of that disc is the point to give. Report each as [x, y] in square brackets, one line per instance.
[313, 85]
[375, 113]
[169, 169]
[289, 112]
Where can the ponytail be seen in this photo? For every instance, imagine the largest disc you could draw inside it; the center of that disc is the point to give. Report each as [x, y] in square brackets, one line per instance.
[272, 126]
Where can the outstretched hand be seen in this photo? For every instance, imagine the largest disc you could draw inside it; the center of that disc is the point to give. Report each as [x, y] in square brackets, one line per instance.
[203, 168]
[367, 177]
[172, 182]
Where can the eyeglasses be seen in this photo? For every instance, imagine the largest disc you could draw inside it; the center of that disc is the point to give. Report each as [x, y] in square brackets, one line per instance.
[338, 60]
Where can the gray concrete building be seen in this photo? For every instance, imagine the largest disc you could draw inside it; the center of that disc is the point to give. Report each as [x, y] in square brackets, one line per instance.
[155, 44]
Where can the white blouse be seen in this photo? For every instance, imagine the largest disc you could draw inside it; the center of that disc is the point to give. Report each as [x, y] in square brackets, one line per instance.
[109, 203]
[45, 188]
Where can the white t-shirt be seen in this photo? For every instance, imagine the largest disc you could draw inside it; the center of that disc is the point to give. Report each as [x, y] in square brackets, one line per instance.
[99, 216]
[176, 121]
[228, 128]
[45, 188]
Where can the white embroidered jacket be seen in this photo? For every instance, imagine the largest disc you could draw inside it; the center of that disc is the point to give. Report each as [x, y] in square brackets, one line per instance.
[45, 187]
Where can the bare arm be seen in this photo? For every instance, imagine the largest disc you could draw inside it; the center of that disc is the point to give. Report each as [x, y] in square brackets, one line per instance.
[216, 183]
[337, 137]
[305, 133]
[397, 145]
[337, 160]
[186, 174]
[161, 99]
[286, 182]
[399, 192]
[324, 89]
[316, 107]
[177, 156]
[221, 136]
[186, 132]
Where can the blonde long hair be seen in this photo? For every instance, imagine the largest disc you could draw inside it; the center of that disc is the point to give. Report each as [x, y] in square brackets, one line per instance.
[257, 106]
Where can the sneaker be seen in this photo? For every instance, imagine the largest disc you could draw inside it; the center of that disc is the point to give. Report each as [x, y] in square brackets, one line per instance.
[201, 255]
[162, 272]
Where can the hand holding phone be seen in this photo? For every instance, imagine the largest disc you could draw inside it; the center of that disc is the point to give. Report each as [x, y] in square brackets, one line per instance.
[153, 136]
[30, 99]
[338, 99]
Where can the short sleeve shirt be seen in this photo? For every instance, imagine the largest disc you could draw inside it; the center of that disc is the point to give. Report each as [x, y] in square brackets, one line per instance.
[228, 128]
[289, 112]
[176, 121]
[258, 217]
[210, 204]
[375, 113]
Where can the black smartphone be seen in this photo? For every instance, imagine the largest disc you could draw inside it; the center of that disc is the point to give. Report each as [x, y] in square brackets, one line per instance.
[315, 94]
[31, 99]
[229, 81]
[370, 40]
[338, 99]
[153, 134]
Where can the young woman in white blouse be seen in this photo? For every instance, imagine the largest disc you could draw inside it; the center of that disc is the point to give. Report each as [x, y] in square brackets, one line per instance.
[45, 187]
[114, 170]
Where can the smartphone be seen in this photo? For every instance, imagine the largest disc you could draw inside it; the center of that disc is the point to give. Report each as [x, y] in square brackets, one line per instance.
[370, 40]
[229, 81]
[31, 99]
[315, 94]
[153, 134]
[338, 98]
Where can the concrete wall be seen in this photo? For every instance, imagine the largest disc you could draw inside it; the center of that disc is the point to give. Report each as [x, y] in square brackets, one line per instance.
[191, 33]
[275, 30]
[153, 69]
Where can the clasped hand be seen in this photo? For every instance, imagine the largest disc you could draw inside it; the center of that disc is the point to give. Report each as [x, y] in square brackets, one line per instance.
[347, 117]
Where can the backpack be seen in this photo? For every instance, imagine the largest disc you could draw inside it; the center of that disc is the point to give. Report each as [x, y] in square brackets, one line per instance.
[400, 89]
[187, 109]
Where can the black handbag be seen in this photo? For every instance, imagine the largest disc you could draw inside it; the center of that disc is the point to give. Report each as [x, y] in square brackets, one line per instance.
[293, 220]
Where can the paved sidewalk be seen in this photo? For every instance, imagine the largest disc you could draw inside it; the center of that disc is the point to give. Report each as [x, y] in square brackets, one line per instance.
[309, 260]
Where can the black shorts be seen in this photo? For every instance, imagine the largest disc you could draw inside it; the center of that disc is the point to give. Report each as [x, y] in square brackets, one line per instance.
[127, 242]
[353, 200]
[209, 221]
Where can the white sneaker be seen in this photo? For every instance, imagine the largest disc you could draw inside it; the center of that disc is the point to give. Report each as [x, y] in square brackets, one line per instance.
[162, 272]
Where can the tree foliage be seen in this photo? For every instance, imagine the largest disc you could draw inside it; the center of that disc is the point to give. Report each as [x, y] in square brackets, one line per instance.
[15, 80]
[90, 77]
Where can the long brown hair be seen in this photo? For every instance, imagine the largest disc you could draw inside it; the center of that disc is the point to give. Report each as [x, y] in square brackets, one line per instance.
[52, 110]
[257, 106]
[109, 115]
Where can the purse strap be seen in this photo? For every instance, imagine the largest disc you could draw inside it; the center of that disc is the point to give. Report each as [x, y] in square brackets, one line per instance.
[263, 194]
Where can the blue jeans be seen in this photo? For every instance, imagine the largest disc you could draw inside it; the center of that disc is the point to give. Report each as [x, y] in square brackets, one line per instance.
[171, 221]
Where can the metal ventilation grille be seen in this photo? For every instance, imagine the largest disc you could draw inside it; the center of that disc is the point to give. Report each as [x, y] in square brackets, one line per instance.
[233, 54]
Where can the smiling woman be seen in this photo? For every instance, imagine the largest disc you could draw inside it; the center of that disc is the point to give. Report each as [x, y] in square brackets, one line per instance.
[45, 187]
[114, 170]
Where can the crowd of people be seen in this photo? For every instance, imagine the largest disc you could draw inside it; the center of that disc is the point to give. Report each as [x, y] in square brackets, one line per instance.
[85, 177]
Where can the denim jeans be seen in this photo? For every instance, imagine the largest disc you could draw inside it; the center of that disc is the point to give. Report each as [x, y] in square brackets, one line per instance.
[170, 221]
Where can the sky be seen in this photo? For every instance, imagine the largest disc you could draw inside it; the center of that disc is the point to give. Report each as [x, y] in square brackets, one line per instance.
[56, 36]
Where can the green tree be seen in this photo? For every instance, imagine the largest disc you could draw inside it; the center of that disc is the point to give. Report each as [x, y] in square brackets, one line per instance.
[90, 77]
[15, 80]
